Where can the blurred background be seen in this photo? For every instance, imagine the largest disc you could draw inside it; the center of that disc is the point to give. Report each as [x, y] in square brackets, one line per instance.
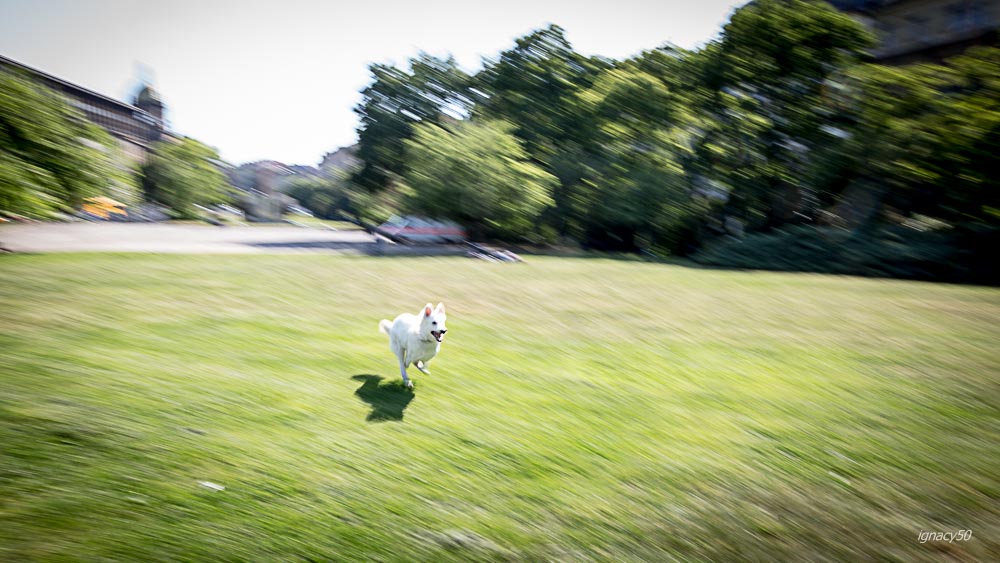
[848, 137]
[627, 393]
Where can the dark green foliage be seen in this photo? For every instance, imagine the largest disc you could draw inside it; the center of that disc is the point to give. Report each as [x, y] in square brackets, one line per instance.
[963, 255]
[926, 136]
[183, 175]
[338, 198]
[50, 157]
[765, 82]
[434, 89]
[478, 175]
[534, 85]
[774, 42]
[634, 193]
[325, 198]
[777, 123]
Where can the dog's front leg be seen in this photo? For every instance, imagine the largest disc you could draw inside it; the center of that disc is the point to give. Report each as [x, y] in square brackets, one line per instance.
[422, 367]
[402, 371]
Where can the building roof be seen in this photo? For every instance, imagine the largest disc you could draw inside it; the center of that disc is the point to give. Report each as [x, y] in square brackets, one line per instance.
[860, 5]
[148, 96]
[5, 61]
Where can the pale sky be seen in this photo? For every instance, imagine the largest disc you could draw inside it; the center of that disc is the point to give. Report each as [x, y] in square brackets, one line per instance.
[278, 80]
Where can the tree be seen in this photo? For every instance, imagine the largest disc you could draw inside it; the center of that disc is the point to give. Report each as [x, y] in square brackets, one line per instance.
[478, 175]
[769, 74]
[434, 89]
[923, 139]
[635, 194]
[51, 158]
[777, 122]
[966, 154]
[533, 86]
[329, 198]
[184, 174]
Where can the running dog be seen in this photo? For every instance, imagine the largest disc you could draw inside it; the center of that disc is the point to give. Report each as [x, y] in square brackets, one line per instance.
[416, 339]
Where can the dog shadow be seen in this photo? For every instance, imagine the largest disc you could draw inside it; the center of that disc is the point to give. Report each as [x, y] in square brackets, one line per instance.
[387, 400]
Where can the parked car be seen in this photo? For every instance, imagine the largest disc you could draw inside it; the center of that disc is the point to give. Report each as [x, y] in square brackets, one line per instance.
[415, 229]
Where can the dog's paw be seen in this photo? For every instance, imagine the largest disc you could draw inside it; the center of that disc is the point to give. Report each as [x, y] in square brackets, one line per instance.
[409, 385]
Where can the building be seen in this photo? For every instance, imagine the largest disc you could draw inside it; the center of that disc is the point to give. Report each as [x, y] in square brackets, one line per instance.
[135, 125]
[925, 30]
[340, 162]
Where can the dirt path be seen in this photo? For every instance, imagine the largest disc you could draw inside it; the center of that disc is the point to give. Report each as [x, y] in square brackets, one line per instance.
[158, 237]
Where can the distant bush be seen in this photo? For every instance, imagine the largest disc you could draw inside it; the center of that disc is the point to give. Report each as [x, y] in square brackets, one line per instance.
[183, 175]
[963, 254]
[478, 175]
[51, 158]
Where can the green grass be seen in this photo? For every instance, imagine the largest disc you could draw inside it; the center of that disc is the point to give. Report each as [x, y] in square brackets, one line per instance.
[581, 409]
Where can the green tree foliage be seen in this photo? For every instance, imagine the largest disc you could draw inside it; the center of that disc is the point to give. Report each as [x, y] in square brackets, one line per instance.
[330, 198]
[184, 174]
[434, 89]
[966, 154]
[923, 138]
[534, 86]
[478, 175]
[905, 168]
[640, 199]
[788, 44]
[51, 158]
[768, 76]
[635, 194]
[777, 122]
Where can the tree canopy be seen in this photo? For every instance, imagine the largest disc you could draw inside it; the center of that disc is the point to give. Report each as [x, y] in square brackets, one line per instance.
[51, 158]
[779, 121]
[433, 89]
[477, 174]
[183, 175]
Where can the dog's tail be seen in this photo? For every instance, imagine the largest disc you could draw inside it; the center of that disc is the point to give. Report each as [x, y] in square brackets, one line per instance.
[384, 326]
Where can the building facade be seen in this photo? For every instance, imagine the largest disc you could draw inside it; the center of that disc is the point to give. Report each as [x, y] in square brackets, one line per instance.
[925, 30]
[135, 125]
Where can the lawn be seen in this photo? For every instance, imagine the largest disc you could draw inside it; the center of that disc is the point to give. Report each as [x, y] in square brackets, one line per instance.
[581, 409]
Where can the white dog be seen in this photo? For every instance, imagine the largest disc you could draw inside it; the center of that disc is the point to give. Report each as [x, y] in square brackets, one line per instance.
[415, 339]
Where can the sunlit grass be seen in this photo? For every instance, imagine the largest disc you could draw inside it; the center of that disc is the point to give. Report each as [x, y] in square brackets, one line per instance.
[580, 409]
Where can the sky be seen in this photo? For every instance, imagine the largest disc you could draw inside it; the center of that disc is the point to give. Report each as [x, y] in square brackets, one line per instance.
[279, 80]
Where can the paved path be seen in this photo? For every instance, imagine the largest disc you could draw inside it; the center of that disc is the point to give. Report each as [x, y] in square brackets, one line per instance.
[159, 237]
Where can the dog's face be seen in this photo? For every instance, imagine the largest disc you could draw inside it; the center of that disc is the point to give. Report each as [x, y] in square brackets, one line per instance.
[432, 322]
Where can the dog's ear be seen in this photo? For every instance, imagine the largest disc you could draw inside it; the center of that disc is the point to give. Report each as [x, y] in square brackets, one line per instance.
[427, 310]
[440, 308]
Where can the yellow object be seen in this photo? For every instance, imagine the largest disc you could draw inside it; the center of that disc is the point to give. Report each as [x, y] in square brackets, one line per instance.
[104, 207]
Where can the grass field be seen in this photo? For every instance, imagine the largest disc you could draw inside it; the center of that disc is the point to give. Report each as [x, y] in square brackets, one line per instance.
[581, 409]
